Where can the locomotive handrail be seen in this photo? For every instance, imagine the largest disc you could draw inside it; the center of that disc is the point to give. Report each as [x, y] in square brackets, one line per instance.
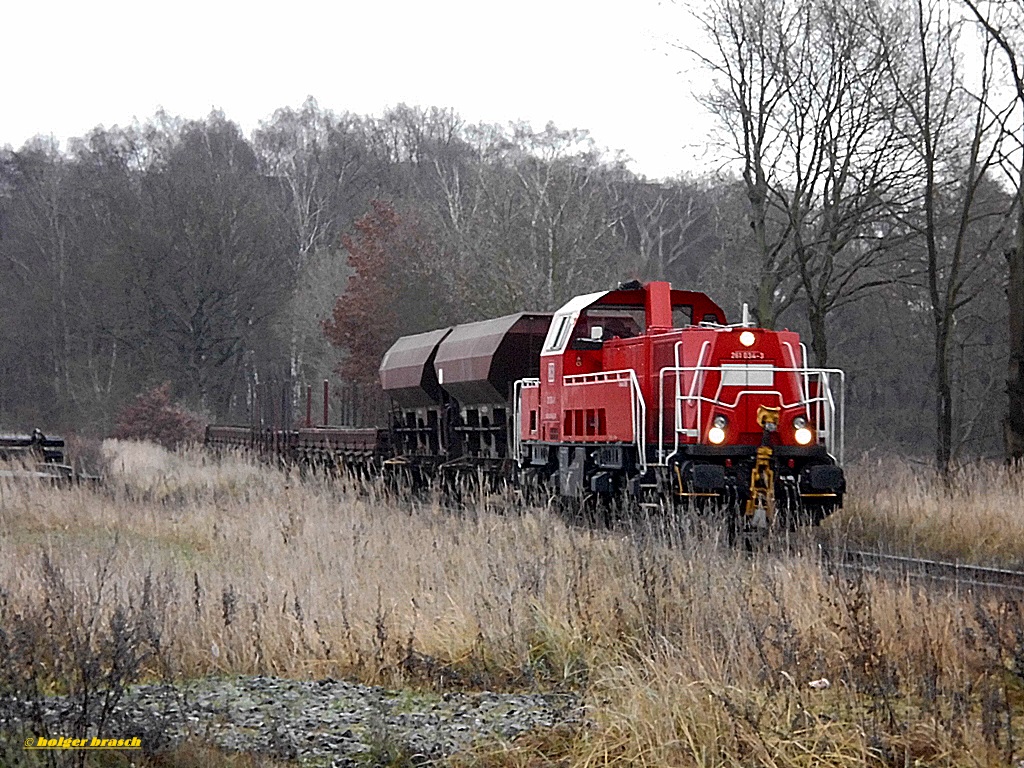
[517, 416]
[832, 409]
[693, 388]
[806, 379]
[829, 427]
[638, 406]
[700, 361]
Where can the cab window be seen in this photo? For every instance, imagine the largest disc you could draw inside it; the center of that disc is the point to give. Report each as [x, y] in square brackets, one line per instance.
[614, 323]
[559, 337]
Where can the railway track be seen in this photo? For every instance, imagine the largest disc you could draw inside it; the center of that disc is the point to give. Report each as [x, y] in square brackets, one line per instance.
[958, 575]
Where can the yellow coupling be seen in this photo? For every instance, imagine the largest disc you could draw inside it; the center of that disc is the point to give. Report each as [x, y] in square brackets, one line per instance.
[760, 509]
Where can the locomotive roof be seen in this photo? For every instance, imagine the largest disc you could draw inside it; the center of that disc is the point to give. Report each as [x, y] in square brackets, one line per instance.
[703, 308]
[702, 304]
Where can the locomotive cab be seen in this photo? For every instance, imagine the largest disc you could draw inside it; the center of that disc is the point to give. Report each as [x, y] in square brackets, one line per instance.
[648, 390]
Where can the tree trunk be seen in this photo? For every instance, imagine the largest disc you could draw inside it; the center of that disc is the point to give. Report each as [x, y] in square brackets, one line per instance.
[1014, 424]
[943, 400]
[766, 301]
[819, 341]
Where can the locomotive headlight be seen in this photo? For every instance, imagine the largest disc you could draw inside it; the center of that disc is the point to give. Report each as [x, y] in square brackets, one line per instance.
[804, 435]
[747, 339]
[716, 434]
[799, 422]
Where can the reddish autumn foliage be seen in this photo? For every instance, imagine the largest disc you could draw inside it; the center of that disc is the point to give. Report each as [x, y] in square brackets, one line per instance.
[388, 293]
[153, 416]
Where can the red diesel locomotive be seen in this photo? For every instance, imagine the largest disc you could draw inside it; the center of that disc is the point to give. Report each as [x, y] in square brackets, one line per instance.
[642, 392]
[647, 389]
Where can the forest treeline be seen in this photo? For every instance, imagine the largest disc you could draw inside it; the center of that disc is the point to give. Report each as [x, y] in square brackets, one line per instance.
[868, 197]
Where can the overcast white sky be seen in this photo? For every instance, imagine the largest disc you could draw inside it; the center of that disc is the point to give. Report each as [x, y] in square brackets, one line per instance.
[607, 67]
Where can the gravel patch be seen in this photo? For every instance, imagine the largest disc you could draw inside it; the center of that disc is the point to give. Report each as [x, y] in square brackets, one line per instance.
[321, 723]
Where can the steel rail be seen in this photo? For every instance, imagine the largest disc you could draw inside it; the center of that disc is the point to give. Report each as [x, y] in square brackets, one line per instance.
[960, 575]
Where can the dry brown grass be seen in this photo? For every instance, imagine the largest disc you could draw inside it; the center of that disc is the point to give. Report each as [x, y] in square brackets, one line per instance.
[976, 514]
[686, 653]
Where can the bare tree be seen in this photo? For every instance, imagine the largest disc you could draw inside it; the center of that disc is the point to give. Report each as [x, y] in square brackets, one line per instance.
[404, 144]
[213, 268]
[571, 228]
[319, 161]
[747, 38]
[320, 165]
[1003, 22]
[527, 217]
[799, 91]
[670, 225]
[954, 136]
